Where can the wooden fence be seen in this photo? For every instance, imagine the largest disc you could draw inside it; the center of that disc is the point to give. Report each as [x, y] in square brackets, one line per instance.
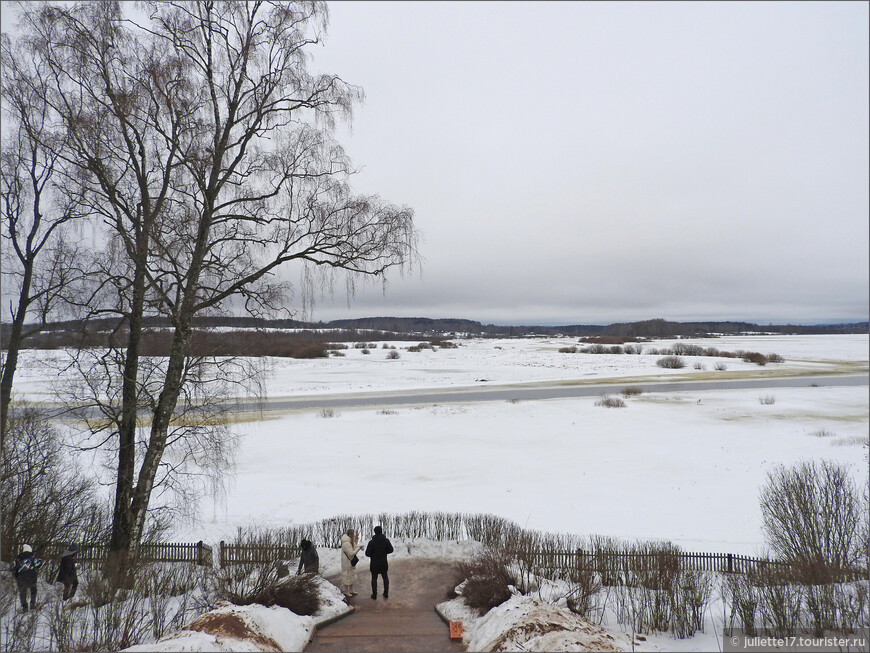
[234, 554]
[93, 555]
[556, 563]
[561, 563]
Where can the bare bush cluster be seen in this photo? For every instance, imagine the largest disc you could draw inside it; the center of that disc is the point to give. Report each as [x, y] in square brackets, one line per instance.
[422, 346]
[486, 580]
[814, 516]
[259, 573]
[651, 592]
[610, 401]
[776, 599]
[45, 497]
[265, 584]
[671, 362]
[688, 349]
[108, 617]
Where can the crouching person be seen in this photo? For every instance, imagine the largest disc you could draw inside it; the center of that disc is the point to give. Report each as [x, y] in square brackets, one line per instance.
[67, 573]
[309, 561]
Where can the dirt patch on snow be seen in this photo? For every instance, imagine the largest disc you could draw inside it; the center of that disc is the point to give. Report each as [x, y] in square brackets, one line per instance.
[232, 625]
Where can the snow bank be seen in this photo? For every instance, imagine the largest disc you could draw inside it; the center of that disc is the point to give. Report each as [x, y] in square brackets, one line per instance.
[252, 627]
[528, 623]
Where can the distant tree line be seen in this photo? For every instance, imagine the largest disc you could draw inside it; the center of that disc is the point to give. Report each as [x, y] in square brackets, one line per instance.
[107, 332]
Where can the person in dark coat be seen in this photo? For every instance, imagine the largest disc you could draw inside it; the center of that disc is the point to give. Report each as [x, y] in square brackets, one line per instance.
[378, 548]
[309, 560]
[25, 569]
[67, 573]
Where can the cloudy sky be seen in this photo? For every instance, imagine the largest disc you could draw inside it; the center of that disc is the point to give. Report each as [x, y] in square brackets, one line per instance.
[595, 162]
[583, 162]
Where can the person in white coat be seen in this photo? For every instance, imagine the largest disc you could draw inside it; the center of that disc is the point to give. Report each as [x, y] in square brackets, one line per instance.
[349, 548]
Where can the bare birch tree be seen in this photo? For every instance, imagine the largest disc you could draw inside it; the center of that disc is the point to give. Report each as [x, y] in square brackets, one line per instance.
[205, 147]
[38, 261]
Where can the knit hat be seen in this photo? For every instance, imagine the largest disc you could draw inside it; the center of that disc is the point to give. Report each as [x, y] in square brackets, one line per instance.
[378, 530]
[72, 548]
[26, 549]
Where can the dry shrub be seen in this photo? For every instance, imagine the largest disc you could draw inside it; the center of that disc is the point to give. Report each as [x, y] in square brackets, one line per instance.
[568, 350]
[691, 595]
[671, 362]
[687, 349]
[393, 354]
[249, 583]
[45, 497]
[609, 401]
[720, 366]
[778, 600]
[813, 518]
[754, 357]
[486, 580]
[631, 391]
[298, 594]
[585, 584]
[767, 400]
[743, 598]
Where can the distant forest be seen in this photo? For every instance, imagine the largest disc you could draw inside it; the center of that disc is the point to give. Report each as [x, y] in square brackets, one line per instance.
[229, 335]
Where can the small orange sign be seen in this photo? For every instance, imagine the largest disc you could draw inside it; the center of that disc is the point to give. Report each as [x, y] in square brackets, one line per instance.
[455, 630]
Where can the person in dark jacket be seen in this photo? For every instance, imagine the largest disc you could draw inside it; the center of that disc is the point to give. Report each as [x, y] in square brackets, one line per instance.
[67, 573]
[25, 569]
[309, 560]
[378, 548]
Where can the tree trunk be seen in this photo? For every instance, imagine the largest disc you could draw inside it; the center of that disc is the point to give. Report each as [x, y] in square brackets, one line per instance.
[16, 337]
[124, 539]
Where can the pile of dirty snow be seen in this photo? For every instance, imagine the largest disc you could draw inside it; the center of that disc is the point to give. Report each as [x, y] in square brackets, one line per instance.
[252, 627]
[529, 623]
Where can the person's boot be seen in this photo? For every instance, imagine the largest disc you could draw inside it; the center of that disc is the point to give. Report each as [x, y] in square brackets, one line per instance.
[352, 593]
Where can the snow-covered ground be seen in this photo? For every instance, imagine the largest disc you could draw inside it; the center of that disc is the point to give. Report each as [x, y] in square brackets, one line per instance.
[486, 362]
[684, 467]
[681, 466]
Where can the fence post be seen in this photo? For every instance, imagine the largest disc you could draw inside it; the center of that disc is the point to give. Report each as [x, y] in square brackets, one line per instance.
[730, 563]
[199, 553]
[221, 556]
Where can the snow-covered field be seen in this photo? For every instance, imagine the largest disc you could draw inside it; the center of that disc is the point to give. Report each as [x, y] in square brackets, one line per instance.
[682, 466]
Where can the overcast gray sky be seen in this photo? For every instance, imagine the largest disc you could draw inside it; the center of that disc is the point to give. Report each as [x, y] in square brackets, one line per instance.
[595, 162]
[584, 162]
